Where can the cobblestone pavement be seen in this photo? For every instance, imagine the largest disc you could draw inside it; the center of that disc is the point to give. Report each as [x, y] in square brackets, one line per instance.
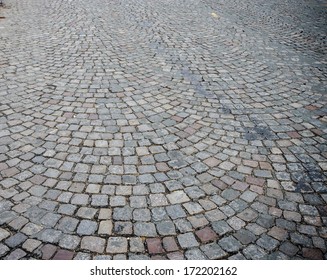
[163, 129]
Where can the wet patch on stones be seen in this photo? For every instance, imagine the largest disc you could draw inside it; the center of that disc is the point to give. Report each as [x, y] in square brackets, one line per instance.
[303, 187]
[259, 133]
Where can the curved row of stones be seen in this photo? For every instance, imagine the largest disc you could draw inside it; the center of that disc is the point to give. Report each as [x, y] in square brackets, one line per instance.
[288, 22]
[166, 129]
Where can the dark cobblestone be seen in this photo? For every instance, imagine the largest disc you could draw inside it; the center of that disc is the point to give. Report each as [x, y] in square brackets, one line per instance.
[195, 254]
[245, 237]
[230, 244]
[267, 242]
[213, 251]
[15, 240]
[288, 248]
[254, 252]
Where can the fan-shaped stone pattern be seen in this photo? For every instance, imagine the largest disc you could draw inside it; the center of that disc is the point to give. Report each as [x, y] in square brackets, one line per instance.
[162, 129]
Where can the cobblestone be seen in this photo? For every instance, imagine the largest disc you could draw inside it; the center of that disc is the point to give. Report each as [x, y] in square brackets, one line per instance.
[230, 244]
[3, 234]
[31, 229]
[254, 252]
[154, 246]
[145, 229]
[86, 227]
[195, 254]
[63, 255]
[213, 251]
[49, 235]
[15, 240]
[122, 140]
[69, 241]
[187, 240]
[136, 244]
[117, 245]
[267, 242]
[288, 248]
[93, 244]
[166, 228]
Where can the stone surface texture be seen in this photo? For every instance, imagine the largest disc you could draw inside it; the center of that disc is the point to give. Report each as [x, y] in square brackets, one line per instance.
[167, 129]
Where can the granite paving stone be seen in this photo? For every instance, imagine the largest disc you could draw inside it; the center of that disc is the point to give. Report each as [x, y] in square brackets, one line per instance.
[48, 251]
[69, 241]
[4, 234]
[145, 229]
[136, 244]
[63, 255]
[31, 229]
[93, 244]
[117, 245]
[213, 251]
[4, 250]
[206, 234]
[15, 240]
[154, 246]
[17, 254]
[166, 228]
[142, 214]
[187, 240]
[31, 244]
[267, 242]
[230, 244]
[195, 254]
[169, 244]
[123, 228]
[86, 227]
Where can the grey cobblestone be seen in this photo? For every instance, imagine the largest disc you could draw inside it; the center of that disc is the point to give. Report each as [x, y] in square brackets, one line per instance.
[86, 227]
[67, 224]
[123, 228]
[245, 236]
[86, 212]
[159, 214]
[31, 229]
[221, 227]
[230, 244]
[187, 240]
[4, 234]
[288, 248]
[136, 244]
[213, 251]
[69, 241]
[177, 197]
[122, 213]
[195, 254]
[267, 242]
[142, 214]
[175, 211]
[145, 229]
[158, 200]
[4, 249]
[138, 201]
[254, 252]
[117, 245]
[93, 244]
[166, 228]
[17, 254]
[15, 240]
[31, 244]
[49, 235]
[183, 225]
